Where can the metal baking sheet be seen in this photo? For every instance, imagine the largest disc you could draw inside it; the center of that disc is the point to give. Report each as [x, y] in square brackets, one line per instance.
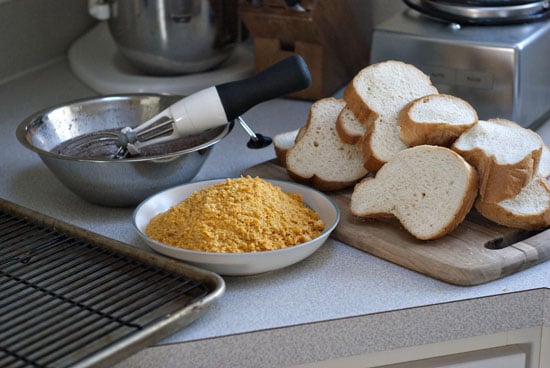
[70, 297]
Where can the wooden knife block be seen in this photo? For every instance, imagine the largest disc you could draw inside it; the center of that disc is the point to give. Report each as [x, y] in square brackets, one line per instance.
[326, 36]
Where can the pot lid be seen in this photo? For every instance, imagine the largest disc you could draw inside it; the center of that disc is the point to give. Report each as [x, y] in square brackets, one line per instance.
[487, 3]
[483, 12]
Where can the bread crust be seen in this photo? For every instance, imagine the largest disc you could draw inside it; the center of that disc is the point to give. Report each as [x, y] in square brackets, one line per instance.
[355, 103]
[443, 133]
[282, 149]
[499, 182]
[468, 200]
[345, 134]
[280, 155]
[503, 216]
[321, 184]
[371, 161]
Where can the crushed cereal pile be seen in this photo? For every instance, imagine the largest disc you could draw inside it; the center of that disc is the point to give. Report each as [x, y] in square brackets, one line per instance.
[239, 215]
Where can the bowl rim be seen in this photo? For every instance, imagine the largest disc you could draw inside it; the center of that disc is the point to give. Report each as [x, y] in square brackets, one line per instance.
[326, 232]
[35, 118]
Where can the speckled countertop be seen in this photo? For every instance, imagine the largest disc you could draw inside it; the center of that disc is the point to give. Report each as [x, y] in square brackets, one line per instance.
[338, 302]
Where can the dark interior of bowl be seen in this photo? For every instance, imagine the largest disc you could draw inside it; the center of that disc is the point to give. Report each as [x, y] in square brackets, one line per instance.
[96, 147]
[52, 129]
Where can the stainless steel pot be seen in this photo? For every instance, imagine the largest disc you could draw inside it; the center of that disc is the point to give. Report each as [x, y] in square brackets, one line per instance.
[168, 37]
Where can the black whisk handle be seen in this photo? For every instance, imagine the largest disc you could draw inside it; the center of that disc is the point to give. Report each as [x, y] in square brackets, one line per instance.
[286, 76]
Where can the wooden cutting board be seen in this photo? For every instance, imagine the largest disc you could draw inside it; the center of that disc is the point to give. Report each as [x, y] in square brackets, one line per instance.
[478, 251]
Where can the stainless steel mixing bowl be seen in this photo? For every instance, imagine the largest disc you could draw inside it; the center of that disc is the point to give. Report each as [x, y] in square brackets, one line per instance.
[117, 183]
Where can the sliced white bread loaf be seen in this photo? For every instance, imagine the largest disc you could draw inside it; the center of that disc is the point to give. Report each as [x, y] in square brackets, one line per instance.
[429, 189]
[529, 210]
[435, 119]
[376, 95]
[349, 128]
[282, 142]
[505, 154]
[319, 157]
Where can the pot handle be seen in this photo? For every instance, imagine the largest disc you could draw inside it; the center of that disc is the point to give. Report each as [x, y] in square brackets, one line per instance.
[99, 9]
[286, 76]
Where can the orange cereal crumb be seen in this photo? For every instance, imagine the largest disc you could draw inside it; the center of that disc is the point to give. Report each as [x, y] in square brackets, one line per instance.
[239, 215]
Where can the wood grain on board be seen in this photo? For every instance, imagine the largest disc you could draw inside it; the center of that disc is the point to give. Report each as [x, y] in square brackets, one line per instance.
[478, 251]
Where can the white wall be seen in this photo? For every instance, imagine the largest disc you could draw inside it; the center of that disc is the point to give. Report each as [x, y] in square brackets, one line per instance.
[36, 31]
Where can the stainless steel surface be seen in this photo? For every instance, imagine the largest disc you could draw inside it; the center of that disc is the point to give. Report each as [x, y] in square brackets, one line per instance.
[503, 11]
[483, 12]
[73, 298]
[501, 70]
[172, 36]
[115, 182]
[101, 145]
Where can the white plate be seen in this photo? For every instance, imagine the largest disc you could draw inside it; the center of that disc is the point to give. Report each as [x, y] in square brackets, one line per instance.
[95, 59]
[233, 264]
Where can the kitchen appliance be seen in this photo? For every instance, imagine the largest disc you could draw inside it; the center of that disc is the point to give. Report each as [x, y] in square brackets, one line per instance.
[209, 108]
[491, 53]
[170, 37]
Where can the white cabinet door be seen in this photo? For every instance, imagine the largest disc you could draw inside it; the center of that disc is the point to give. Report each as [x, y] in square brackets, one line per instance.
[502, 357]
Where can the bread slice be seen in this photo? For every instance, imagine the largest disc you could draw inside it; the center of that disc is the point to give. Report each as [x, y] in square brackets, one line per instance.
[376, 95]
[435, 119]
[349, 128]
[380, 143]
[544, 164]
[505, 154]
[529, 210]
[381, 90]
[319, 157]
[282, 142]
[430, 189]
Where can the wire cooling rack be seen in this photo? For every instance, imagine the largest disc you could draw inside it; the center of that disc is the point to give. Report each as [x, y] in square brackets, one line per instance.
[69, 297]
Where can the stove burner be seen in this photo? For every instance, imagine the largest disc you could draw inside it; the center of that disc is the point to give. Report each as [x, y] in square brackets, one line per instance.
[483, 12]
